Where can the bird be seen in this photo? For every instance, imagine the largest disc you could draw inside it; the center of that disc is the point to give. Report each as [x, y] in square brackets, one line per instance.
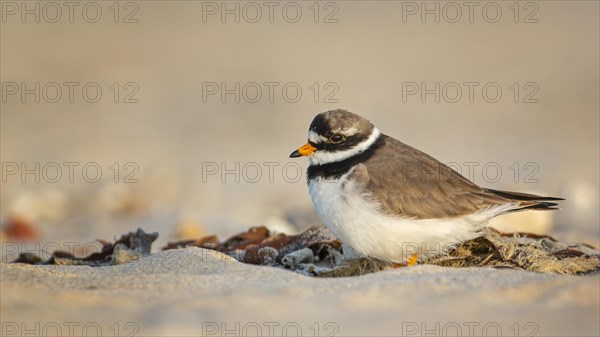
[389, 201]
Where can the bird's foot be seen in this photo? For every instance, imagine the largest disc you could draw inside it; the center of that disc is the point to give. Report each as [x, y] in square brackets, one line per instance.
[411, 261]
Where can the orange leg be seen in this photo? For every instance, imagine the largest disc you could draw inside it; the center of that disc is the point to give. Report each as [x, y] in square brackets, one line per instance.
[411, 261]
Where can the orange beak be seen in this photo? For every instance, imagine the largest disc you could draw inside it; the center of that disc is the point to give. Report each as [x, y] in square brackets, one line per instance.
[306, 150]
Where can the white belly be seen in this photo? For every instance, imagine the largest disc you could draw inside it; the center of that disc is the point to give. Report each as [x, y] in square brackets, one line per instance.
[355, 219]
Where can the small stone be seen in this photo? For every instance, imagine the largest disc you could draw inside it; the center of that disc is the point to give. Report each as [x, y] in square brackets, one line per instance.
[267, 256]
[293, 259]
[122, 254]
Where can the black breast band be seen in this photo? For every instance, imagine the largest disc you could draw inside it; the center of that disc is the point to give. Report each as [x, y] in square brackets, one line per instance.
[337, 169]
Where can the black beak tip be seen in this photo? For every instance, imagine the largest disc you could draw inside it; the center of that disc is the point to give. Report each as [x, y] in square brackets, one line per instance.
[295, 154]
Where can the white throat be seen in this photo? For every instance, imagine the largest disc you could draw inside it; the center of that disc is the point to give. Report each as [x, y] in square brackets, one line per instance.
[320, 157]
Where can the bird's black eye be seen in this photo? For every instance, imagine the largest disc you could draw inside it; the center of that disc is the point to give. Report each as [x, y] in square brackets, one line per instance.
[336, 138]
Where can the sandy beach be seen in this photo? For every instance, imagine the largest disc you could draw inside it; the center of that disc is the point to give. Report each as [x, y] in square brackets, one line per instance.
[191, 292]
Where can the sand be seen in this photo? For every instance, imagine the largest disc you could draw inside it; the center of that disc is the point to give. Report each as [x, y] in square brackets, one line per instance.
[193, 291]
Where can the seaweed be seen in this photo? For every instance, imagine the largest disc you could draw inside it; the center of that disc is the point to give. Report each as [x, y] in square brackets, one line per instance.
[129, 247]
[316, 252]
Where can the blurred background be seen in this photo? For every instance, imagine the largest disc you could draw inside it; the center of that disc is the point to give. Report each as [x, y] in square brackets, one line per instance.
[179, 117]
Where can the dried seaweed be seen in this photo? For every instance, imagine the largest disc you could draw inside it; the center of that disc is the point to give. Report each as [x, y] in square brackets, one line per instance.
[316, 252]
[129, 247]
[522, 251]
[304, 253]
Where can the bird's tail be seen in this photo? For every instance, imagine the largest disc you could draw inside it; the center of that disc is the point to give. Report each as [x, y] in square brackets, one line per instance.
[527, 201]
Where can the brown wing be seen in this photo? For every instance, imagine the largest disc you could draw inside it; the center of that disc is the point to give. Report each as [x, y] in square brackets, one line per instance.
[410, 183]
